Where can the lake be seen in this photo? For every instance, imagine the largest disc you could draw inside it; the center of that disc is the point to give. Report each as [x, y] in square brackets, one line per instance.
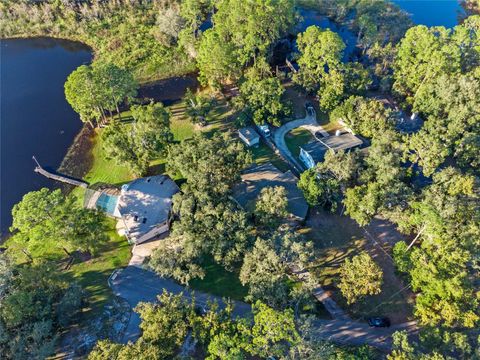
[35, 118]
[432, 12]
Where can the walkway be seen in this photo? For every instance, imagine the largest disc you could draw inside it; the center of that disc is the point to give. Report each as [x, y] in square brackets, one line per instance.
[58, 177]
[335, 311]
[309, 123]
[141, 251]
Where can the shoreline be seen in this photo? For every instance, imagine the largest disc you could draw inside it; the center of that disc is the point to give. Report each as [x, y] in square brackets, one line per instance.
[78, 160]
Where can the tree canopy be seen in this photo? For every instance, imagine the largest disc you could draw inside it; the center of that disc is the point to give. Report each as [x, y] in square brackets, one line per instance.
[45, 219]
[436, 71]
[367, 117]
[242, 32]
[271, 205]
[94, 90]
[134, 145]
[360, 276]
[445, 223]
[322, 70]
[35, 307]
[166, 325]
[261, 95]
[210, 165]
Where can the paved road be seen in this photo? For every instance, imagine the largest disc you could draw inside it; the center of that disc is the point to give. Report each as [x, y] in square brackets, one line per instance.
[355, 333]
[136, 285]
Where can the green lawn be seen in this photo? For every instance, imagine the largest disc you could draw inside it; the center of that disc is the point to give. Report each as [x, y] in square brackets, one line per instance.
[93, 274]
[105, 170]
[181, 127]
[263, 154]
[219, 281]
[296, 138]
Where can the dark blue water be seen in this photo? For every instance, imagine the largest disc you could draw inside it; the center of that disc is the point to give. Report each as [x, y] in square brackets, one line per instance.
[35, 118]
[432, 12]
[427, 12]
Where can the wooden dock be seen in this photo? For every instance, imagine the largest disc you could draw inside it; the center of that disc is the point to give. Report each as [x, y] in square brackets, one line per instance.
[38, 169]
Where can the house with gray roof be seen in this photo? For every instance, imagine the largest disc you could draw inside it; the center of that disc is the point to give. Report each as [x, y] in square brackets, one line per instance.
[249, 136]
[258, 177]
[314, 152]
[142, 207]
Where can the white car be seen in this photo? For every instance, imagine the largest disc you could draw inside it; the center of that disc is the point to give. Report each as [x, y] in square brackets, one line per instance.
[264, 129]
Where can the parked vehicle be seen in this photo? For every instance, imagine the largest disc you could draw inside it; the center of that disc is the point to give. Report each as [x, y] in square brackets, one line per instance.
[310, 109]
[379, 322]
[264, 130]
[318, 135]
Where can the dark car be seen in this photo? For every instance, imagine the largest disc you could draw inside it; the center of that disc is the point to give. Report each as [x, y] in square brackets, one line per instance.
[318, 135]
[379, 322]
[310, 109]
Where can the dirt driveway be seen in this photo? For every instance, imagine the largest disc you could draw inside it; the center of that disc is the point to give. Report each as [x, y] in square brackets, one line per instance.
[337, 238]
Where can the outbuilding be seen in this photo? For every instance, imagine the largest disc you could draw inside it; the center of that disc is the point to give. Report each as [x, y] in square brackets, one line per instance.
[249, 136]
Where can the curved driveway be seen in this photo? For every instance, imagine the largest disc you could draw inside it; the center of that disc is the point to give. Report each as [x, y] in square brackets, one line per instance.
[138, 285]
[309, 122]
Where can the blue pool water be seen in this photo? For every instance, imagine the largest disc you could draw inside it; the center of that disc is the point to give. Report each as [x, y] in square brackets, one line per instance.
[107, 203]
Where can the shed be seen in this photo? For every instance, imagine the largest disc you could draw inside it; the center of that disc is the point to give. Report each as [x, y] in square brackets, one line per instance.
[249, 136]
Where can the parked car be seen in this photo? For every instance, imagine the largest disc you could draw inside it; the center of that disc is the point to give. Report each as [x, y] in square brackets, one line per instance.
[310, 109]
[379, 321]
[318, 135]
[264, 130]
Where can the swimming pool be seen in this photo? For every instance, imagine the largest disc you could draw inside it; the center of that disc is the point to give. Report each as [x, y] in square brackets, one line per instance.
[107, 203]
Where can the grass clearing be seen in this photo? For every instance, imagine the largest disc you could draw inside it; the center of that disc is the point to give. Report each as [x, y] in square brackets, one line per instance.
[181, 126]
[337, 238]
[93, 274]
[263, 154]
[296, 138]
[105, 170]
[220, 282]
